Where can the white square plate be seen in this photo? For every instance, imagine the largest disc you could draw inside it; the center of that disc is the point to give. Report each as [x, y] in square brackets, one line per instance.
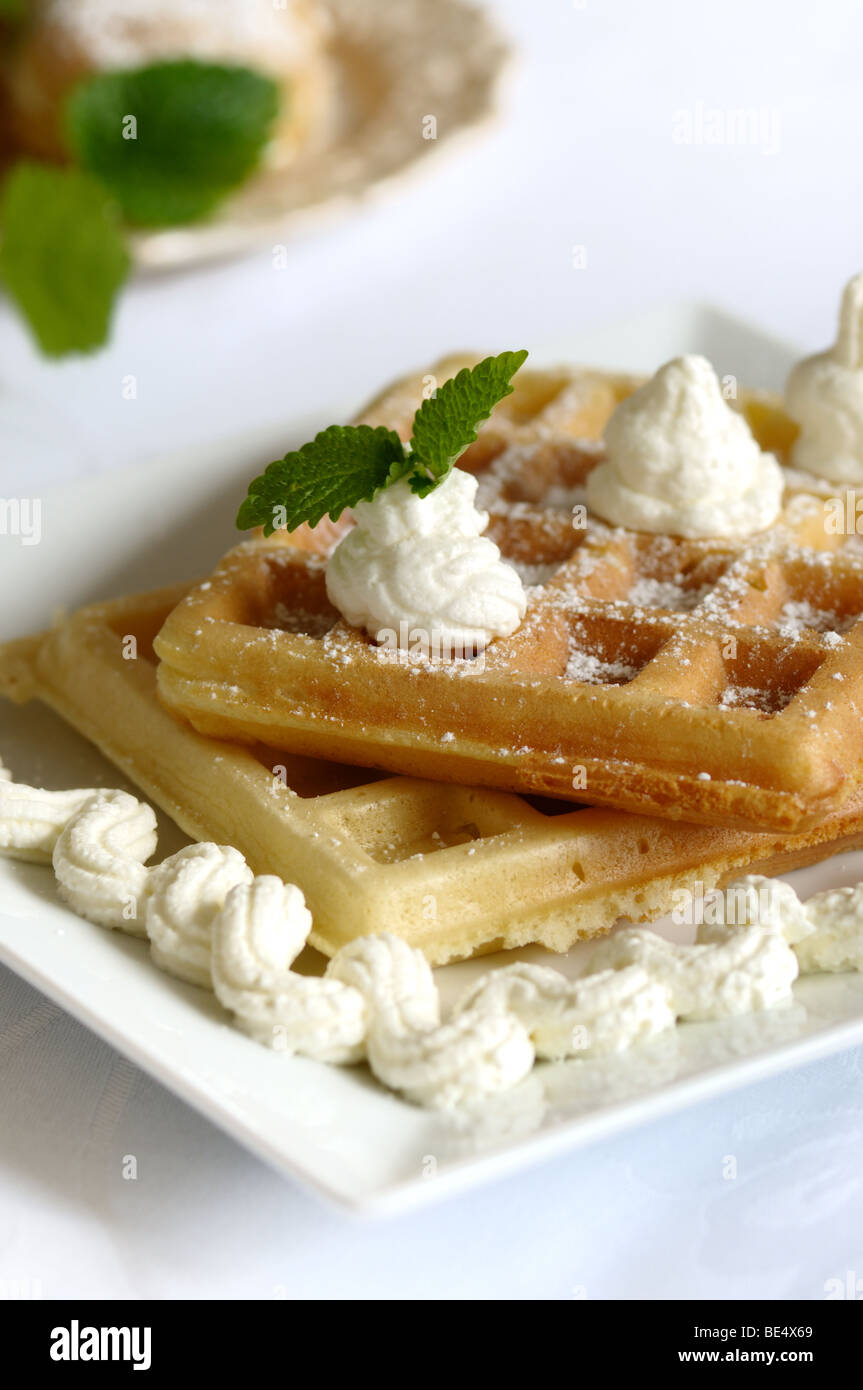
[336, 1129]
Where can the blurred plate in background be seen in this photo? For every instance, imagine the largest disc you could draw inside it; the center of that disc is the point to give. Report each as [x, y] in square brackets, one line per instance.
[391, 66]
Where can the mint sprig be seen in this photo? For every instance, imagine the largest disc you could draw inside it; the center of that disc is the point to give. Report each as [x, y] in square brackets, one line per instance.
[347, 464]
[337, 469]
[171, 139]
[446, 424]
[199, 131]
[62, 255]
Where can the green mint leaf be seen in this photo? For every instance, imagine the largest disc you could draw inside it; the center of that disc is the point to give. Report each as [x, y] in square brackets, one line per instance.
[62, 255]
[342, 465]
[399, 468]
[171, 139]
[446, 423]
[12, 9]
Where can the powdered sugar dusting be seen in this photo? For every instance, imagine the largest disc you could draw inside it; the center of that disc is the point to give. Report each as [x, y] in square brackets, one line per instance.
[796, 616]
[753, 697]
[666, 593]
[592, 670]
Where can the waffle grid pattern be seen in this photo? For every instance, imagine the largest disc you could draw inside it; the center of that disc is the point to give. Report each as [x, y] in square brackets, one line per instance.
[454, 870]
[700, 680]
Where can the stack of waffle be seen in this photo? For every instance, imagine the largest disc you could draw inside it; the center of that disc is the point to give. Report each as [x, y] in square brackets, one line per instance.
[669, 712]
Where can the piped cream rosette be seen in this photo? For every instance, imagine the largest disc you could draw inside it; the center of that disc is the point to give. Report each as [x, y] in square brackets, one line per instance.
[211, 921]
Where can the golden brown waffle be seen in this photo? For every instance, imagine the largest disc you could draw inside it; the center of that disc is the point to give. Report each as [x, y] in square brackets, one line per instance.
[453, 870]
[703, 680]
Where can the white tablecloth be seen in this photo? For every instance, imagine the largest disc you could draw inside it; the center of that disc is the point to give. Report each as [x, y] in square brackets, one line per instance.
[602, 146]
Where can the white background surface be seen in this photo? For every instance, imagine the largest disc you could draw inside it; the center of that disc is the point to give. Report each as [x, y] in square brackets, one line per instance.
[479, 253]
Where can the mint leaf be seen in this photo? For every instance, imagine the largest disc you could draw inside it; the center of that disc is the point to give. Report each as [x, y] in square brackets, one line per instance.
[446, 423]
[346, 464]
[62, 255]
[342, 465]
[171, 139]
[12, 9]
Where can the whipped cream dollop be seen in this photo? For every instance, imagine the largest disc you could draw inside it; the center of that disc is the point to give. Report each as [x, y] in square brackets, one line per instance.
[595, 1014]
[754, 900]
[747, 971]
[394, 977]
[457, 1063]
[258, 934]
[185, 893]
[211, 921]
[680, 461]
[32, 818]
[439, 1065]
[824, 396]
[99, 859]
[836, 940]
[417, 572]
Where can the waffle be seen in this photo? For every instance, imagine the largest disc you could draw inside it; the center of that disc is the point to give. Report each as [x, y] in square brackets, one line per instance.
[711, 681]
[454, 870]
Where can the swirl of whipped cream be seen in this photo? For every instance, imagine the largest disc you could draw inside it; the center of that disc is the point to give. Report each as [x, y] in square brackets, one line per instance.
[756, 901]
[209, 920]
[185, 893]
[596, 1014]
[257, 935]
[680, 461]
[32, 818]
[99, 860]
[474, 1055]
[416, 572]
[824, 395]
[749, 969]
[395, 979]
[836, 942]
[433, 1064]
